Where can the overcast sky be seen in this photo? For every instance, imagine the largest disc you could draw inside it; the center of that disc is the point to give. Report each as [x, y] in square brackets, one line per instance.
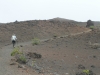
[22, 10]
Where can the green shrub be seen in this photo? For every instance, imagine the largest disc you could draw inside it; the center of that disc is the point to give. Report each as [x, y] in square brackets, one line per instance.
[91, 27]
[15, 51]
[35, 41]
[87, 72]
[22, 58]
[18, 55]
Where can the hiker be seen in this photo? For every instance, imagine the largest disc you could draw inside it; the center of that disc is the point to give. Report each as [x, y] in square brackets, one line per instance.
[13, 39]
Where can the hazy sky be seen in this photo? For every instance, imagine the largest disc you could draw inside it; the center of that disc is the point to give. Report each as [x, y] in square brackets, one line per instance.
[22, 10]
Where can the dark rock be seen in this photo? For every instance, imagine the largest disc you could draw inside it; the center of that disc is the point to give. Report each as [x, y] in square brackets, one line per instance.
[89, 23]
[13, 64]
[92, 66]
[81, 67]
[34, 55]
[21, 45]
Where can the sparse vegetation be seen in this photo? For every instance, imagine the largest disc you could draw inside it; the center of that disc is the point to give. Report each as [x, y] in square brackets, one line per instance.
[87, 72]
[94, 45]
[55, 36]
[92, 27]
[18, 55]
[15, 52]
[35, 41]
[63, 48]
[22, 58]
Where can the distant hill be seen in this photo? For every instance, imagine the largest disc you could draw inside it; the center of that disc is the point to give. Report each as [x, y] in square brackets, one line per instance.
[68, 20]
[62, 19]
[42, 29]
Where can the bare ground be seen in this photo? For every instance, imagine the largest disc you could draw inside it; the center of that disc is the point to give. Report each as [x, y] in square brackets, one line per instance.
[66, 54]
[60, 56]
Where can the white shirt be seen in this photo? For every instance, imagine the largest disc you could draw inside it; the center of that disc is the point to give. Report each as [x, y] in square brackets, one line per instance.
[13, 37]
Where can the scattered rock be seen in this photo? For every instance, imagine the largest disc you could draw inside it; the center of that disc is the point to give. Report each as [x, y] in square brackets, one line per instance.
[79, 73]
[13, 59]
[37, 68]
[34, 55]
[61, 37]
[91, 72]
[21, 45]
[92, 66]
[13, 64]
[81, 67]
[94, 56]
[76, 56]
[21, 66]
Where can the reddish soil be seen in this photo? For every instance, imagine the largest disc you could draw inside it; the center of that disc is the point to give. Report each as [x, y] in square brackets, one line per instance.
[64, 55]
[42, 29]
[57, 56]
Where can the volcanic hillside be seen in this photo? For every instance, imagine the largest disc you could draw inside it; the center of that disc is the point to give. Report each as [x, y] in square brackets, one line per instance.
[42, 29]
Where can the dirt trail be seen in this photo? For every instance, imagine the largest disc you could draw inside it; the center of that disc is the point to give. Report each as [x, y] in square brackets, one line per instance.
[5, 57]
[6, 68]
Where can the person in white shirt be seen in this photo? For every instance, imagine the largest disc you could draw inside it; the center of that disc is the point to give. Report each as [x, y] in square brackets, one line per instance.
[13, 39]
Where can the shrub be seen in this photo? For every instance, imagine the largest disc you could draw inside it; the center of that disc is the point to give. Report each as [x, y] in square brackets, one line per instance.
[18, 55]
[22, 58]
[35, 41]
[15, 51]
[87, 72]
[91, 27]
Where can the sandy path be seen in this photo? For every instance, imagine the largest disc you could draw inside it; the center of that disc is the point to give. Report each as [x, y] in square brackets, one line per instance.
[5, 61]
[5, 67]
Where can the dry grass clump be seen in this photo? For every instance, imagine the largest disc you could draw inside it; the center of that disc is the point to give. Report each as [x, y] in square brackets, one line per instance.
[94, 45]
